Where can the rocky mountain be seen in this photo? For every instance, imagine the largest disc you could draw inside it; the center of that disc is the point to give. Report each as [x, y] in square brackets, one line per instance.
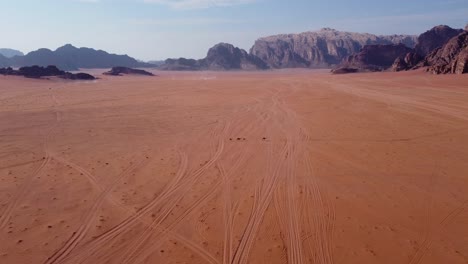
[69, 57]
[450, 58]
[434, 38]
[373, 58]
[10, 53]
[44, 58]
[319, 49]
[426, 43]
[221, 57]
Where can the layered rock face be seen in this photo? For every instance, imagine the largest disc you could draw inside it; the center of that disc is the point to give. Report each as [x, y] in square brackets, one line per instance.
[451, 58]
[373, 58]
[323, 48]
[221, 57]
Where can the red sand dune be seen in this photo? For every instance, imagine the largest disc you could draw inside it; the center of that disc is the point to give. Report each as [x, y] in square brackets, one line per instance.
[276, 167]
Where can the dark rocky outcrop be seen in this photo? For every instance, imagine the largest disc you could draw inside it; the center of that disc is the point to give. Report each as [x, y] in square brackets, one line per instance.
[221, 57]
[9, 53]
[451, 58]
[69, 57]
[318, 49]
[119, 71]
[49, 71]
[77, 76]
[374, 58]
[344, 70]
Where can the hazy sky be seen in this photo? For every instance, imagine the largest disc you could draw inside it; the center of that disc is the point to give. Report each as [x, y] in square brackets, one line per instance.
[158, 29]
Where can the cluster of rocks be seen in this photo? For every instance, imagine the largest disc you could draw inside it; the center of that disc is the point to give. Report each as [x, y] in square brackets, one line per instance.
[49, 71]
[120, 71]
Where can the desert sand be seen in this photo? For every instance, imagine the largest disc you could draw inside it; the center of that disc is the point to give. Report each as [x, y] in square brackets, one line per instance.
[274, 167]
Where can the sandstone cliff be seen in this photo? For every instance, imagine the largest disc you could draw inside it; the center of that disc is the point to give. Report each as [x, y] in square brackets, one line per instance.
[323, 48]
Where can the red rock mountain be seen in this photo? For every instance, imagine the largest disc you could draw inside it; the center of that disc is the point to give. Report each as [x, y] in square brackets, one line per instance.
[450, 58]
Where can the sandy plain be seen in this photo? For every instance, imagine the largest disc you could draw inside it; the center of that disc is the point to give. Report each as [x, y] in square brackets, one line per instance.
[275, 167]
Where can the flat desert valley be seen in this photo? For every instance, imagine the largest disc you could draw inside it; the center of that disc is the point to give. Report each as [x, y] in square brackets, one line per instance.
[229, 168]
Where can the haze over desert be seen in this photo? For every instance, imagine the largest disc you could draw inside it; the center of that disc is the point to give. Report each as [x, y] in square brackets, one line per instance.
[290, 166]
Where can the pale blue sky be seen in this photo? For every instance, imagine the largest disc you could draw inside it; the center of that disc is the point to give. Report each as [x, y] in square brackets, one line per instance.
[158, 29]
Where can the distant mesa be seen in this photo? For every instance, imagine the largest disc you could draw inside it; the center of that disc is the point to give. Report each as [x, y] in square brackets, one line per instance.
[120, 71]
[49, 71]
[221, 57]
[9, 53]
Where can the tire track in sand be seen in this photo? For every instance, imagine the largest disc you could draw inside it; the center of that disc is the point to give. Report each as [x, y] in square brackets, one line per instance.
[163, 199]
[78, 235]
[25, 186]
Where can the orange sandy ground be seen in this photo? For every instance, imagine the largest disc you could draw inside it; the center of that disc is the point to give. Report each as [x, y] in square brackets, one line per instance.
[275, 167]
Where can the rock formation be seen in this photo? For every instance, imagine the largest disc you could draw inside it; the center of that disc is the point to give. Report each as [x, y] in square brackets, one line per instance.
[323, 48]
[373, 58]
[451, 58]
[407, 61]
[49, 71]
[221, 57]
[225, 56]
[119, 71]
